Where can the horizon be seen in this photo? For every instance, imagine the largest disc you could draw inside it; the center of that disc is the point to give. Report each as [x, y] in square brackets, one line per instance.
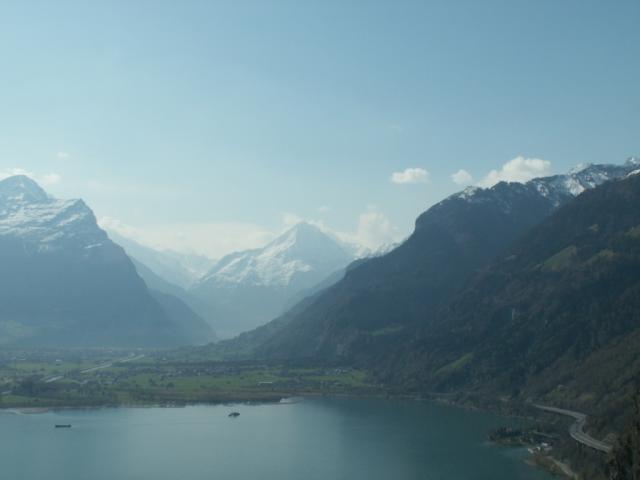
[130, 233]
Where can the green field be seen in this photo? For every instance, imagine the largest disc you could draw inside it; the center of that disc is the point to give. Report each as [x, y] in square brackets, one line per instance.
[38, 380]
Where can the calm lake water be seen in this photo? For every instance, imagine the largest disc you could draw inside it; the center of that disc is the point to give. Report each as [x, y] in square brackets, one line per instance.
[310, 439]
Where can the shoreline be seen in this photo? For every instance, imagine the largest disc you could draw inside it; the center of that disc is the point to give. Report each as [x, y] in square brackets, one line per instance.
[551, 465]
[277, 399]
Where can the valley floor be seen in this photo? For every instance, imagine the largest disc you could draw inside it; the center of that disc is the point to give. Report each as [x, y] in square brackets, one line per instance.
[63, 379]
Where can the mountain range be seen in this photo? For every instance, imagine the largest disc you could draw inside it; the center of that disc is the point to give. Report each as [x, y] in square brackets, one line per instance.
[519, 291]
[65, 283]
[361, 313]
[248, 288]
[182, 270]
[501, 296]
[382, 301]
[556, 316]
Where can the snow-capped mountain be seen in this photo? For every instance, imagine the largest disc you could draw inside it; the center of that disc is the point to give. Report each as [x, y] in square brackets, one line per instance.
[27, 212]
[302, 251]
[251, 287]
[63, 282]
[382, 303]
[558, 188]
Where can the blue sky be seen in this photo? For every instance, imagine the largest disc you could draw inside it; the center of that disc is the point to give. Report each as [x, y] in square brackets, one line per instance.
[213, 125]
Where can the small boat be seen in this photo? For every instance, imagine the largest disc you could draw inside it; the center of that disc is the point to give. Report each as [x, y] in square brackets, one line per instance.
[66, 425]
[234, 414]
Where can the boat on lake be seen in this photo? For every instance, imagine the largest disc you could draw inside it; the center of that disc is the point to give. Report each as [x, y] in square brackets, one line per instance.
[234, 414]
[65, 425]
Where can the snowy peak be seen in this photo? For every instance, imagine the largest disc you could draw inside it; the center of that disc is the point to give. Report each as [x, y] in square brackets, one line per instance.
[246, 289]
[579, 167]
[304, 242]
[559, 188]
[64, 283]
[468, 192]
[28, 213]
[301, 233]
[586, 178]
[21, 188]
[300, 250]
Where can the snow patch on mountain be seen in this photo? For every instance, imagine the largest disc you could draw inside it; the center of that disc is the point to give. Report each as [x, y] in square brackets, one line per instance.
[302, 249]
[468, 193]
[27, 212]
[558, 187]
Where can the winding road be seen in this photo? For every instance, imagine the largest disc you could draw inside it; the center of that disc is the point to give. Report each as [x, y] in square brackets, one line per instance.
[576, 430]
[110, 364]
[99, 367]
[131, 358]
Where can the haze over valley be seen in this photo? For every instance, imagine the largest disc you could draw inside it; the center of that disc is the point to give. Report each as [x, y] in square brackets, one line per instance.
[514, 291]
[321, 240]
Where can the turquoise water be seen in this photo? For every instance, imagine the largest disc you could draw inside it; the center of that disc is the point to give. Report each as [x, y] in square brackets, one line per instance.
[306, 440]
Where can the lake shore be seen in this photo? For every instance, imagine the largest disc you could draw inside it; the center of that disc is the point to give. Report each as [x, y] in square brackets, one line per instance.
[552, 465]
[317, 438]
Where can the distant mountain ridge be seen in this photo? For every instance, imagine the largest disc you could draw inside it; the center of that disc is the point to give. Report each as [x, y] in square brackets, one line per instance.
[180, 269]
[249, 288]
[162, 289]
[63, 282]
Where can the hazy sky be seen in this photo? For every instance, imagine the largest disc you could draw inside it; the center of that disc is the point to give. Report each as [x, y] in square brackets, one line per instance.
[212, 125]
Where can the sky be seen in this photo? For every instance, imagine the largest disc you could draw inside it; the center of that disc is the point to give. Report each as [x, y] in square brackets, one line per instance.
[211, 126]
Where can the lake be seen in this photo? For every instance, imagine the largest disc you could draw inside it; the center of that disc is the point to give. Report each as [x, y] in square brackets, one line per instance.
[310, 439]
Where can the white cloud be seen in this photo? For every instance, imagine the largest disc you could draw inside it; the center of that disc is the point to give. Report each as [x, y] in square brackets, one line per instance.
[216, 239]
[290, 219]
[213, 239]
[50, 178]
[519, 169]
[462, 177]
[121, 228]
[45, 179]
[324, 209]
[373, 230]
[410, 175]
[62, 155]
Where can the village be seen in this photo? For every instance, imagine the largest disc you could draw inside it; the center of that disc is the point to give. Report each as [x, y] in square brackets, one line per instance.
[94, 378]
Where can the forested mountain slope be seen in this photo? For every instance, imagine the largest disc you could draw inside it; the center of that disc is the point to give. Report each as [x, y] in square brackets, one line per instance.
[382, 302]
[557, 316]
